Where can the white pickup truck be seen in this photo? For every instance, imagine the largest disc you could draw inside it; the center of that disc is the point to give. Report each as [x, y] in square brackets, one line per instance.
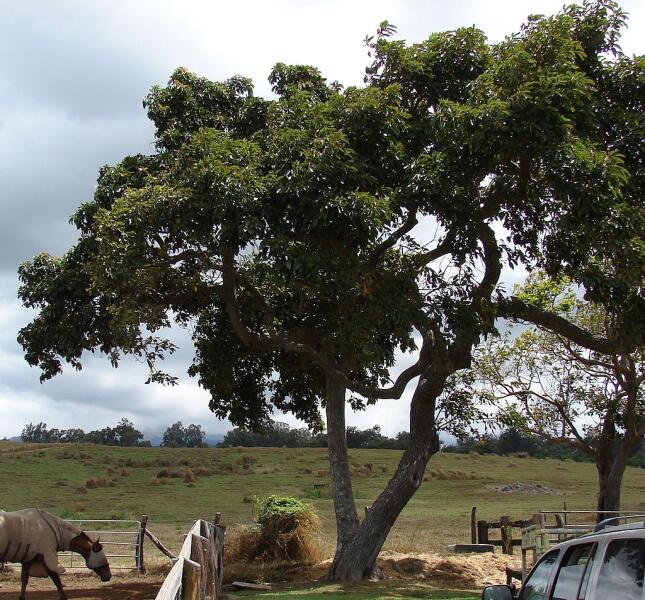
[605, 565]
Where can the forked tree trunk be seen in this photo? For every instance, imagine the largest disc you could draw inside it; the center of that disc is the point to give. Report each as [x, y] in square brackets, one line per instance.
[356, 556]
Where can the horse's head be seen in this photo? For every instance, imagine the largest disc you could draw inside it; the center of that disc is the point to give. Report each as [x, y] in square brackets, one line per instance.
[93, 554]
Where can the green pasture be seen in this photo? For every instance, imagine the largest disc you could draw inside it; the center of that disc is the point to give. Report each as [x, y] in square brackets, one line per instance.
[55, 478]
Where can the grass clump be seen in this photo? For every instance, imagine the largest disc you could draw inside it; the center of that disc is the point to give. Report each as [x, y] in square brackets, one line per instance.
[287, 529]
[285, 532]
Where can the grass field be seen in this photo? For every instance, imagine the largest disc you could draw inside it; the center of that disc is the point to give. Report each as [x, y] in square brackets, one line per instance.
[56, 478]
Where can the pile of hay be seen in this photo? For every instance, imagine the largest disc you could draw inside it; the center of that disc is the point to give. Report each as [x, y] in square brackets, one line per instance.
[459, 571]
[285, 531]
[471, 571]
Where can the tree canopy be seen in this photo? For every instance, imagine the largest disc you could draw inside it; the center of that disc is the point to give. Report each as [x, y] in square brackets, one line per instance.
[178, 436]
[291, 234]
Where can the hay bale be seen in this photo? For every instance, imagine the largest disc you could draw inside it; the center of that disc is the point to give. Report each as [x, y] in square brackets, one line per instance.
[287, 527]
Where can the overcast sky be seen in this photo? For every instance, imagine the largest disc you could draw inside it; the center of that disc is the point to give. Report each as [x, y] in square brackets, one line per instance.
[72, 77]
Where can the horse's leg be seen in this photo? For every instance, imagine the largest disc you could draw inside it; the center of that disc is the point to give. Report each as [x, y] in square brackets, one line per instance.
[24, 579]
[55, 577]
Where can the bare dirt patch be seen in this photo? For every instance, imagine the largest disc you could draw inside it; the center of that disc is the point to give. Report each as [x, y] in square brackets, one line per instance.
[85, 587]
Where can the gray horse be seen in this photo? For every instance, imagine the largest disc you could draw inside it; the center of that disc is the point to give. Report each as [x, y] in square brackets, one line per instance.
[34, 537]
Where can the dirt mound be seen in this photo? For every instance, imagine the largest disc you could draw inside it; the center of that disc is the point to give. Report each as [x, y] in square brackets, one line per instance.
[468, 571]
[459, 570]
[525, 488]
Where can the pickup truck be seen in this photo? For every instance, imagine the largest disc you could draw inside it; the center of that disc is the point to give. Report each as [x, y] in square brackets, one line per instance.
[605, 565]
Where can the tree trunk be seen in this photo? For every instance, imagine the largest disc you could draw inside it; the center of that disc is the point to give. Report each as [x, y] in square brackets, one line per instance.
[356, 558]
[344, 506]
[611, 468]
[609, 493]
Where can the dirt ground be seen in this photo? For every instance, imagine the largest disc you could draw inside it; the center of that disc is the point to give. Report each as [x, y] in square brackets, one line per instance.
[83, 587]
[465, 571]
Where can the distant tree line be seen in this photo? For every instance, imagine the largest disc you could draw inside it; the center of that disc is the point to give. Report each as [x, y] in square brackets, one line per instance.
[278, 435]
[510, 441]
[124, 434]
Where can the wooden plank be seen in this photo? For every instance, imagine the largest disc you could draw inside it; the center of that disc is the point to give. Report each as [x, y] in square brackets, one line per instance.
[190, 581]
[507, 534]
[242, 585]
[482, 532]
[198, 555]
[155, 540]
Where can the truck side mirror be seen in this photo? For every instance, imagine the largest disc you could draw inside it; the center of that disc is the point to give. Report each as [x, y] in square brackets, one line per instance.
[497, 592]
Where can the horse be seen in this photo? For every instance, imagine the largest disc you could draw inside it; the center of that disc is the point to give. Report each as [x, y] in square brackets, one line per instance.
[34, 537]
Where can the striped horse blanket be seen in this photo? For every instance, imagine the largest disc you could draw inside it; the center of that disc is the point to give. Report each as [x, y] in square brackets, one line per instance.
[24, 534]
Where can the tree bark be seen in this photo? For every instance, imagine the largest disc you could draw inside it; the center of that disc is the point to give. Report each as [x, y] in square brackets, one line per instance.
[610, 478]
[344, 505]
[355, 559]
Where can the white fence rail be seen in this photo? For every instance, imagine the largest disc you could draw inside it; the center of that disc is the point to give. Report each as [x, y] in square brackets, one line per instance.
[198, 572]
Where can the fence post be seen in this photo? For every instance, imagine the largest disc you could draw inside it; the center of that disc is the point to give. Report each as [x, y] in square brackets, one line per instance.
[560, 523]
[190, 580]
[482, 532]
[219, 531]
[507, 534]
[141, 567]
[198, 554]
[473, 525]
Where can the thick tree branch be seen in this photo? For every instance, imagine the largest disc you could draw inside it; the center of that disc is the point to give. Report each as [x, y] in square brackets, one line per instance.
[423, 259]
[515, 309]
[385, 245]
[280, 342]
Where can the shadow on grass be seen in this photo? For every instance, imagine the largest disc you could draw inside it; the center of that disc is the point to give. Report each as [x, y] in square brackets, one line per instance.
[388, 590]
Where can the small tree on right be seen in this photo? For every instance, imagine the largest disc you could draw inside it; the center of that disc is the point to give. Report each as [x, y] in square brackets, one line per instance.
[546, 385]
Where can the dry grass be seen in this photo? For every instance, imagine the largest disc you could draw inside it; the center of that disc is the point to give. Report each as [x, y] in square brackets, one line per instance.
[99, 482]
[286, 532]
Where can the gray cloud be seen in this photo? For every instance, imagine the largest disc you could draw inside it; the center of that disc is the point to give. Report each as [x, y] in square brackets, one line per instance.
[71, 87]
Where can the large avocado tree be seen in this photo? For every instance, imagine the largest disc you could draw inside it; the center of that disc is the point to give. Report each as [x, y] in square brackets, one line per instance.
[290, 234]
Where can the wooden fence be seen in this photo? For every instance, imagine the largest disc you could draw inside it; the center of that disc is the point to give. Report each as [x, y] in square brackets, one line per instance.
[480, 531]
[197, 573]
[538, 533]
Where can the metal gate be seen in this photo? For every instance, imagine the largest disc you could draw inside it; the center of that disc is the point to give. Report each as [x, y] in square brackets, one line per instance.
[122, 541]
